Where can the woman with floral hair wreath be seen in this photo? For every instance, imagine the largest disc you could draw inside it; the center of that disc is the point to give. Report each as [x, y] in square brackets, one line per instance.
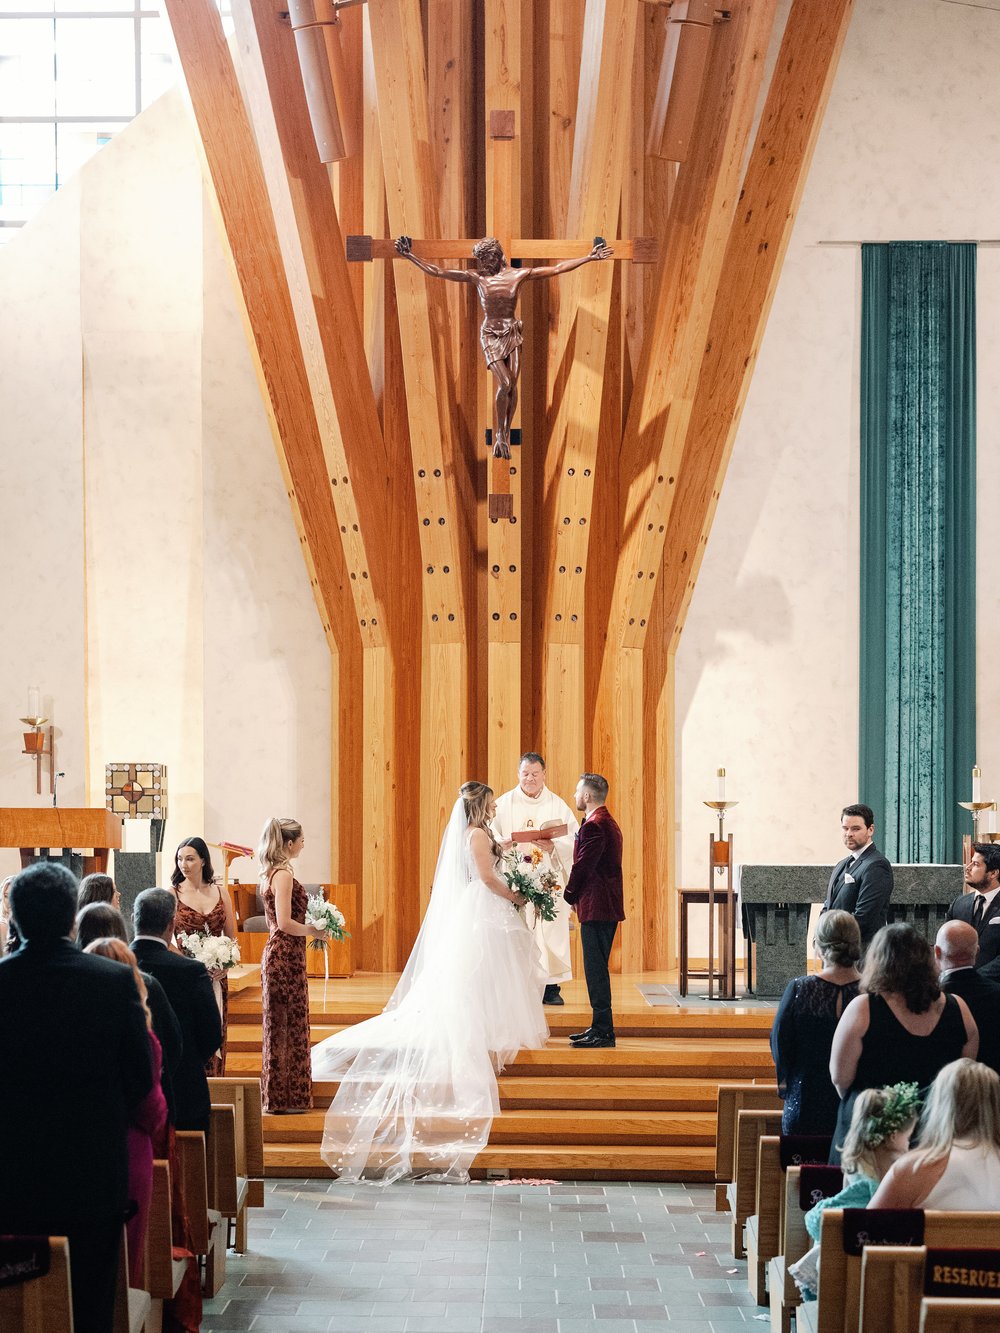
[879, 1134]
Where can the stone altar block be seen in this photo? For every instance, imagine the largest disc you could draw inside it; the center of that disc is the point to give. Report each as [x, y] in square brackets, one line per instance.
[777, 900]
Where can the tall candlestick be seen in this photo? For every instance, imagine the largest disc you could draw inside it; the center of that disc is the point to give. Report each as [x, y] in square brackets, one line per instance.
[991, 820]
[34, 701]
[721, 775]
[976, 784]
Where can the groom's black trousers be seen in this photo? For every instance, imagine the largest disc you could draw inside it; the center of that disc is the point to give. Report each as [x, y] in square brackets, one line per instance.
[597, 937]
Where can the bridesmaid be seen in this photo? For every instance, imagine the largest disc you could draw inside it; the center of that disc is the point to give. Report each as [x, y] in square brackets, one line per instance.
[286, 1070]
[205, 908]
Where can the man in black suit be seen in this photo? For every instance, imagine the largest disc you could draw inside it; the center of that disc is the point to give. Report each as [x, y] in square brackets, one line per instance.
[955, 948]
[980, 904]
[74, 1051]
[189, 990]
[862, 882]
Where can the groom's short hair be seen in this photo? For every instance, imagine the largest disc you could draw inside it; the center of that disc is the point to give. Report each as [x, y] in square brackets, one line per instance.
[530, 757]
[597, 784]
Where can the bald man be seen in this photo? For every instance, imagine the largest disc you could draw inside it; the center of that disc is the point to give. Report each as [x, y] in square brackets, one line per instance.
[955, 948]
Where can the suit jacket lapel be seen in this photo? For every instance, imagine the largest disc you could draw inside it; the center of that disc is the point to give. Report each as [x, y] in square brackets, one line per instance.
[835, 880]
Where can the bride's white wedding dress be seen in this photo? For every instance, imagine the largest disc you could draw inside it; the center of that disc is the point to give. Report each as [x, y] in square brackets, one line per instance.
[418, 1089]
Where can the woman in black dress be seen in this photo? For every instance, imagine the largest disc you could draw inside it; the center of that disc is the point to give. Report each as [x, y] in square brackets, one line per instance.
[803, 1029]
[901, 1028]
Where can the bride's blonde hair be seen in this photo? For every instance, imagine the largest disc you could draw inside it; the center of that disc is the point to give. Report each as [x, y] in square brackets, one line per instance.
[476, 797]
[272, 850]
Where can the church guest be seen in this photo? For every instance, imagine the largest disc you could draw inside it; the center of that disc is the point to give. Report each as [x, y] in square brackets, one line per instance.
[97, 888]
[101, 921]
[862, 882]
[900, 1029]
[6, 937]
[957, 1165]
[286, 1074]
[530, 806]
[73, 1029]
[595, 890]
[955, 950]
[980, 904]
[204, 908]
[807, 1017]
[147, 1137]
[189, 990]
[881, 1127]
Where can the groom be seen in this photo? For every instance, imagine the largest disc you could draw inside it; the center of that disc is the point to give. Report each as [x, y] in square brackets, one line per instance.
[595, 890]
[526, 808]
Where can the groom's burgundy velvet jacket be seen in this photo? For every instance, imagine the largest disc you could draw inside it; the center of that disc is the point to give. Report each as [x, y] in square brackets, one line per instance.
[595, 882]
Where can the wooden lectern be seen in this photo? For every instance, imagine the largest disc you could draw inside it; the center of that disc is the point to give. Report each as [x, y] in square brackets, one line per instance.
[47, 827]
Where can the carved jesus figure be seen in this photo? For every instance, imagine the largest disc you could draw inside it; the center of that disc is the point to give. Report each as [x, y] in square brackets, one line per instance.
[502, 333]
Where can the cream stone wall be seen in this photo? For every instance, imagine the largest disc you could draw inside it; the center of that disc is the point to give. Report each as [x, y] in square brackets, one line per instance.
[909, 150]
[155, 572]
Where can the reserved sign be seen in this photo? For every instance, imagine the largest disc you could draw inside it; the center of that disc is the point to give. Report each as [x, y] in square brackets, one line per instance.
[23, 1258]
[962, 1273]
[818, 1182]
[882, 1226]
[797, 1149]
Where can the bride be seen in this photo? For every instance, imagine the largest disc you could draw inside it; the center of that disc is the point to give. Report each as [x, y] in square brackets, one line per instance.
[418, 1091]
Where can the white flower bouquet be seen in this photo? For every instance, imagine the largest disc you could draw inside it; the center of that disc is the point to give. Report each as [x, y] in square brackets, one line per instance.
[324, 916]
[218, 952]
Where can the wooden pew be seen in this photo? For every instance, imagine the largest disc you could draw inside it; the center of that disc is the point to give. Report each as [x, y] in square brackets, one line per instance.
[132, 1305]
[763, 1234]
[164, 1273]
[41, 1304]
[733, 1098]
[784, 1295]
[838, 1309]
[894, 1279]
[741, 1193]
[938, 1314]
[244, 1096]
[208, 1226]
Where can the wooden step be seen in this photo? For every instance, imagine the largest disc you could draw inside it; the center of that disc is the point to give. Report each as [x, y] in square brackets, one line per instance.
[661, 1128]
[560, 1161]
[568, 1093]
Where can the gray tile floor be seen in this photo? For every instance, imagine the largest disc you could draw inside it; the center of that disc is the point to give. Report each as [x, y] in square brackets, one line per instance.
[587, 1258]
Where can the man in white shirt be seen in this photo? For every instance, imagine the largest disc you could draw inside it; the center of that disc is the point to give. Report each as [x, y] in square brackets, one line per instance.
[527, 807]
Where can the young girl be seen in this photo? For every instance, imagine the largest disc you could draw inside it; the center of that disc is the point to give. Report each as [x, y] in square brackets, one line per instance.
[881, 1125]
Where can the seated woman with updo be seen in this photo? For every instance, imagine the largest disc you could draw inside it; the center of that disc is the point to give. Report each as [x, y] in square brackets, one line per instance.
[803, 1029]
[97, 888]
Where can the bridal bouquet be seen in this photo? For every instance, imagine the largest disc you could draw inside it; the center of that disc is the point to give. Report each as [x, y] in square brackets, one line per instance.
[217, 952]
[325, 916]
[521, 872]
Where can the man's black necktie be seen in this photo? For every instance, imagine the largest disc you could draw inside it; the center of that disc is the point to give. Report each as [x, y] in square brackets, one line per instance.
[978, 910]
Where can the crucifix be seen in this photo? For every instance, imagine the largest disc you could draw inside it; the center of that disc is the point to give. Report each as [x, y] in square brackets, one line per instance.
[498, 285]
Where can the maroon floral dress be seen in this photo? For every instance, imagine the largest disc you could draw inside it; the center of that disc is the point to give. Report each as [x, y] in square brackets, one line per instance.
[189, 921]
[285, 1065]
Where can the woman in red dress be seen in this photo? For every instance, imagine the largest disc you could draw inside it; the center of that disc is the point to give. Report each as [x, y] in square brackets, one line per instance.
[286, 1072]
[203, 908]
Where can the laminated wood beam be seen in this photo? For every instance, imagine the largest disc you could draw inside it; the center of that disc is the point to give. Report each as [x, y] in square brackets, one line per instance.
[240, 192]
[694, 246]
[772, 189]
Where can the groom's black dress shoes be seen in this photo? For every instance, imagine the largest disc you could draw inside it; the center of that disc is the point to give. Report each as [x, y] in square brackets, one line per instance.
[579, 1036]
[593, 1040]
[552, 995]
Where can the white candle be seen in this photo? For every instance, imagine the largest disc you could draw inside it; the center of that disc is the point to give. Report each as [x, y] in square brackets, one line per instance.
[976, 784]
[721, 775]
[991, 822]
[34, 701]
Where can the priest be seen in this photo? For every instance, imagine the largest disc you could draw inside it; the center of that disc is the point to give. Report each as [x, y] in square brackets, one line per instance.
[527, 810]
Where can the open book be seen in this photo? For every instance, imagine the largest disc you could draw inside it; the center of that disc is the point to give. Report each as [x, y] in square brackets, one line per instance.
[550, 829]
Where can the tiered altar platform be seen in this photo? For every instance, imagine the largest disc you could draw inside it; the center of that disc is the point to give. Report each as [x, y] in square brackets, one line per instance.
[644, 1111]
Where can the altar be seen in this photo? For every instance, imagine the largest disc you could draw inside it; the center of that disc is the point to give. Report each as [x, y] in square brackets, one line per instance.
[777, 901]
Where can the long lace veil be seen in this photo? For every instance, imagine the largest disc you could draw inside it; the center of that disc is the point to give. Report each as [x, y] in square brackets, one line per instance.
[418, 1092]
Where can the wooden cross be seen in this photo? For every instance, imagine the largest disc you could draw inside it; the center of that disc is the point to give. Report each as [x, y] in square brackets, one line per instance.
[364, 249]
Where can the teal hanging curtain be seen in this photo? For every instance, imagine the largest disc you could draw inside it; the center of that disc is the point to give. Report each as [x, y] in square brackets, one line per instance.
[918, 545]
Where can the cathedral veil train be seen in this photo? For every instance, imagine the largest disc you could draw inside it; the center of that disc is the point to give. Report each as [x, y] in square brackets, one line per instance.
[418, 1089]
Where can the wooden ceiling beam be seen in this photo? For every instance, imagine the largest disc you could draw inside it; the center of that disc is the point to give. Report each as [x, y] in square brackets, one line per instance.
[694, 246]
[772, 189]
[440, 473]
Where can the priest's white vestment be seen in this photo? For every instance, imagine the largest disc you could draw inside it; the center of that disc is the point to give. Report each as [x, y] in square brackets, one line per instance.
[517, 813]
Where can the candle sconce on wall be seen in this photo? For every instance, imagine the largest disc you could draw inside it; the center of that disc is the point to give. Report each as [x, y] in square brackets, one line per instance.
[35, 741]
